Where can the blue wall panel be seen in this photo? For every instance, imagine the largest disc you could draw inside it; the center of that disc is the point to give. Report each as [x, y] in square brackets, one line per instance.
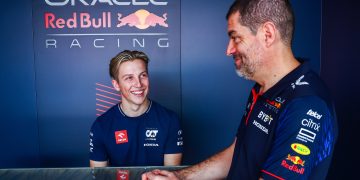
[213, 95]
[340, 70]
[307, 37]
[19, 143]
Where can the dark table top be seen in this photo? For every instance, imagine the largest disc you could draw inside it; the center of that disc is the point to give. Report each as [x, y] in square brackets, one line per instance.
[107, 173]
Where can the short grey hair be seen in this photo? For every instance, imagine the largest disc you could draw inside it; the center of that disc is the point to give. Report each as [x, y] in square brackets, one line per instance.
[256, 12]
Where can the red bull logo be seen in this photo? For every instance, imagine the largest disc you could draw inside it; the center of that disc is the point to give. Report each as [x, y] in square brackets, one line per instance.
[295, 160]
[142, 19]
[274, 103]
[293, 167]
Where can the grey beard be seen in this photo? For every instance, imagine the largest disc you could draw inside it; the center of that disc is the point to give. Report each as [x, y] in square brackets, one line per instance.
[243, 75]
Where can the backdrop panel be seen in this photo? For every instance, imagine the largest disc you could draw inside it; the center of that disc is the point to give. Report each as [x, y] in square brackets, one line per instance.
[71, 64]
[74, 41]
[19, 144]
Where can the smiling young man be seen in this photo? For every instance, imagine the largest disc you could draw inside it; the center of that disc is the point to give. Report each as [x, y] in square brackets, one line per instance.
[137, 131]
[289, 129]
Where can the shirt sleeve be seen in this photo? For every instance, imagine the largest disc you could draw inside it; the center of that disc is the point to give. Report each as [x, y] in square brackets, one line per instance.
[303, 139]
[97, 151]
[174, 141]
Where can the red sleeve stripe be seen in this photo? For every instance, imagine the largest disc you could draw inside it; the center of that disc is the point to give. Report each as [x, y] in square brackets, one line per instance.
[273, 175]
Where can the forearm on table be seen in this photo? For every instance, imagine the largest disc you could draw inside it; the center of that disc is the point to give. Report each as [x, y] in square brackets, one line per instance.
[215, 167]
[172, 159]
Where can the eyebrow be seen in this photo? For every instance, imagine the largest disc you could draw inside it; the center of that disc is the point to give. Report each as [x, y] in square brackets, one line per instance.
[125, 75]
[133, 74]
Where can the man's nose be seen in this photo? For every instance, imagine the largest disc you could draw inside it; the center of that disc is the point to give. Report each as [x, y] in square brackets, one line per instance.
[230, 49]
[137, 82]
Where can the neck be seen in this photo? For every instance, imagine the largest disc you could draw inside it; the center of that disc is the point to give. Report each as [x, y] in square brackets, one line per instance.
[134, 110]
[275, 68]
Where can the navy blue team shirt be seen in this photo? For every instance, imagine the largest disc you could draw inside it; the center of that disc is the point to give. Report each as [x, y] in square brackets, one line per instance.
[135, 141]
[288, 132]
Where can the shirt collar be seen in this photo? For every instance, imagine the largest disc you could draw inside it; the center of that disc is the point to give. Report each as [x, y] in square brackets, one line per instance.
[286, 81]
[122, 112]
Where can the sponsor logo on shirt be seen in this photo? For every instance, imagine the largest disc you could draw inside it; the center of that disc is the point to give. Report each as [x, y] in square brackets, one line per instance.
[264, 117]
[310, 124]
[122, 175]
[121, 137]
[180, 139]
[300, 149]
[314, 114]
[274, 105]
[91, 142]
[298, 82]
[277, 105]
[151, 134]
[295, 160]
[261, 127]
[280, 100]
[296, 164]
[151, 144]
[91, 146]
[306, 135]
[179, 143]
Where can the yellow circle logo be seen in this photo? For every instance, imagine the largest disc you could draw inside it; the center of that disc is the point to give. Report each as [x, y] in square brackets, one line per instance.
[301, 149]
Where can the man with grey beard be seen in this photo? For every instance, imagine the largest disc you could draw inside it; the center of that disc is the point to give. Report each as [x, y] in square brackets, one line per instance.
[289, 129]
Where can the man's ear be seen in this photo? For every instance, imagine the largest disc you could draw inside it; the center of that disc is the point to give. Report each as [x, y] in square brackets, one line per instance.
[115, 84]
[269, 31]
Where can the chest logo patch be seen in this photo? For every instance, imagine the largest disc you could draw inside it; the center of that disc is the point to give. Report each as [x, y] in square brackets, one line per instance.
[151, 133]
[121, 137]
[265, 117]
[300, 149]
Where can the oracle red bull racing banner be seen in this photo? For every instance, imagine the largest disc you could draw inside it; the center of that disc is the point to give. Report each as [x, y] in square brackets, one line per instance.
[74, 41]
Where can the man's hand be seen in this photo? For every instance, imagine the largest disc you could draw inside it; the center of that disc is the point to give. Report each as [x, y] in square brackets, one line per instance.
[159, 175]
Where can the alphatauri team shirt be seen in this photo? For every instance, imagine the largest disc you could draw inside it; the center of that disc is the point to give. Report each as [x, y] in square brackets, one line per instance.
[288, 132]
[135, 141]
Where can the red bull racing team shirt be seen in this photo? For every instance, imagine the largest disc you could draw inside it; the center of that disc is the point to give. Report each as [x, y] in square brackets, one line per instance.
[288, 132]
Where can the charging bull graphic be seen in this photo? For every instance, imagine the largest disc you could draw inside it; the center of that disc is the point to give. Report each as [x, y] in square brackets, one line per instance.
[153, 19]
[131, 20]
[142, 19]
[296, 160]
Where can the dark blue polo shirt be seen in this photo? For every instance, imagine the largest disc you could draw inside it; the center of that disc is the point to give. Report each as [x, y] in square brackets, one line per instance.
[135, 141]
[288, 132]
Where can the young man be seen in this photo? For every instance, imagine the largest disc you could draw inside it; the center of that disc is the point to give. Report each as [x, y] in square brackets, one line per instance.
[289, 127]
[137, 131]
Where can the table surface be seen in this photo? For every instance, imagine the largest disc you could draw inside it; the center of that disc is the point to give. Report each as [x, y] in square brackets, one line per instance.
[107, 173]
